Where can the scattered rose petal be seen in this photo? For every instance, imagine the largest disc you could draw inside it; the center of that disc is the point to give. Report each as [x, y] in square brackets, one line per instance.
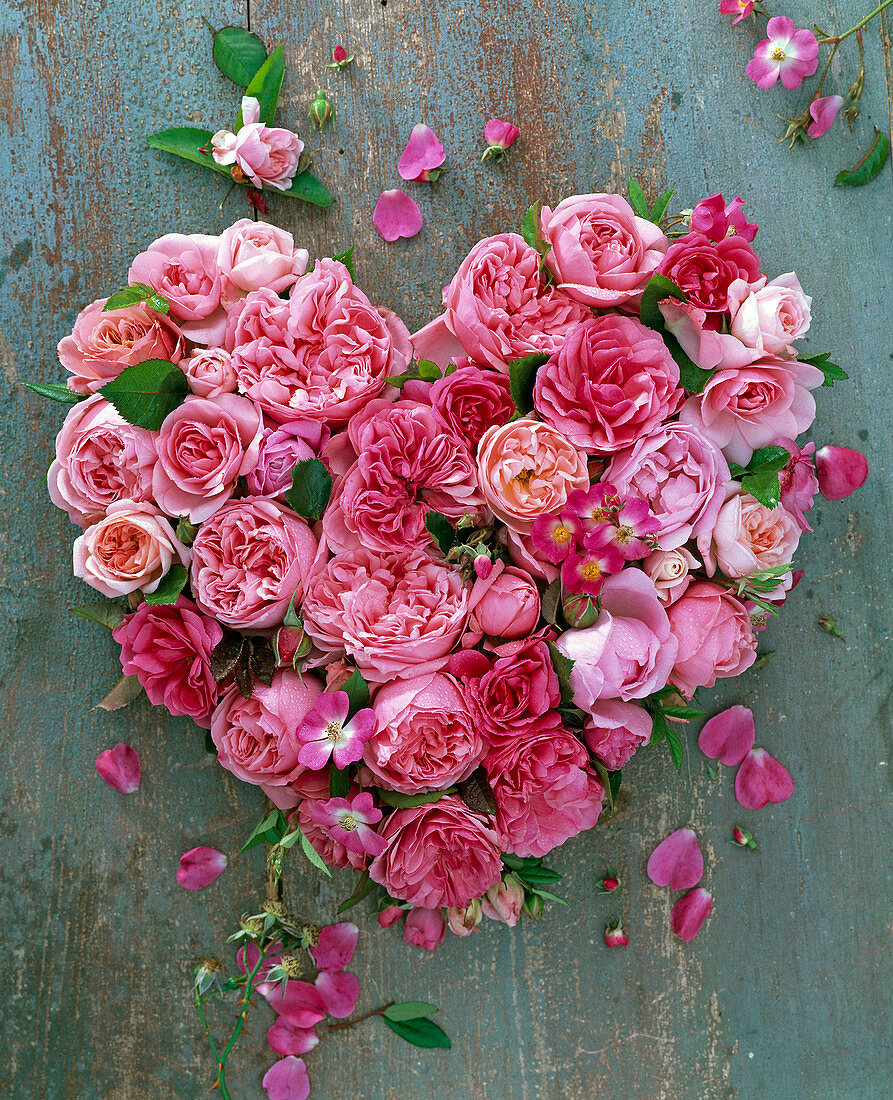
[120, 768]
[677, 861]
[396, 215]
[423, 154]
[199, 867]
[761, 780]
[287, 1080]
[690, 912]
[287, 1038]
[840, 471]
[823, 112]
[300, 1002]
[729, 736]
[339, 992]
[335, 947]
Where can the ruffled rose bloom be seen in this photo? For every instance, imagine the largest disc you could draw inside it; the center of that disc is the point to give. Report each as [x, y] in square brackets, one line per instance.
[706, 271]
[425, 739]
[322, 354]
[249, 560]
[544, 789]
[256, 256]
[772, 318]
[798, 480]
[256, 738]
[601, 254]
[681, 472]
[498, 307]
[471, 400]
[203, 446]
[749, 537]
[267, 155]
[281, 449]
[612, 381]
[505, 604]
[103, 344]
[100, 460]
[743, 410]
[314, 789]
[714, 635]
[528, 469]
[168, 648]
[670, 570]
[183, 269]
[616, 731]
[210, 372]
[702, 342]
[397, 615]
[441, 853]
[629, 650]
[132, 548]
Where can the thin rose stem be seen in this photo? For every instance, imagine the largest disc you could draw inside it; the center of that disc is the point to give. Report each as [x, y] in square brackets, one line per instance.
[858, 27]
[359, 1019]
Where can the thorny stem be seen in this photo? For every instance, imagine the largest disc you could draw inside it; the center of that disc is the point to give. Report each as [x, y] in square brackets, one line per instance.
[359, 1019]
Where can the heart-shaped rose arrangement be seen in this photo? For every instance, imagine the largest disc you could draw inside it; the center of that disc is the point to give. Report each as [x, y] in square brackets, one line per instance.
[432, 607]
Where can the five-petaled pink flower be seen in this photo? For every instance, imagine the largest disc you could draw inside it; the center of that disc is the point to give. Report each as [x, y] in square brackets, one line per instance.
[788, 53]
[633, 532]
[423, 157]
[677, 862]
[823, 111]
[120, 768]
[589, 567]
[349, 822]
[396, 215]
[199, 867]
[554, 536]
[739, 8]
[326, 734]
[690, 912]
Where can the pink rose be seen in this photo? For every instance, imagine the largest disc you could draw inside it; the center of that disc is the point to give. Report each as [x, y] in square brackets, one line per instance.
[203, 446]
[714, 217]
[616, 730]
[601, 254]
[528, 469]
[630, 649]
[504, 605]
[798, 480]
[256, 738]
[210, 372]
[424, 739]
[314, 790]
[103, 344]
[544, 789]
[258, 256]
[281, 449]
[183, 269]
[168, 648]
[706, 271]
[714, 636]
[469, 401]
[612, 381]
[749, 537]
[701, 341]
[681, 473]
[743, 410]
[424, 928]
[249, 560]
[670, 570]
[772, 318]
[397, 615]
[441, 853]
[100, 460]
[267, 155]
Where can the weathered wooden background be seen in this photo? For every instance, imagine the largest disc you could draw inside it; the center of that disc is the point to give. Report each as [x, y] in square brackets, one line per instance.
[784, 994]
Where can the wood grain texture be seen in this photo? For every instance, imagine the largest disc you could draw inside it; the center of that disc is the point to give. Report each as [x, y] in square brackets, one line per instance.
[783, 994]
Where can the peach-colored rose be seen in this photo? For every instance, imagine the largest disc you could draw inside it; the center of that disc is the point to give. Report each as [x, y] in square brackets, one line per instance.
[254, 255]
[772, 318]
[210, 372]
[749, 537]
[671, 572]
[528, 469]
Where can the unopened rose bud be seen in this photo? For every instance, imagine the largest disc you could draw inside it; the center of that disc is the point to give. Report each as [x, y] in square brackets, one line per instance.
[340, 58]
[504, 900]
[483, 566]
[499, 136]
[830, 627]
[463, 920]
[743, 838]
[533, 906]
[579, 609]
[615, 936]
[390, 916]
[291, 645]
[609, 882]
[320, 109]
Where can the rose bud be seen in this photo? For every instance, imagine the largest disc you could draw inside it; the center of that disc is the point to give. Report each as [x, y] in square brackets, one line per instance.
[609, 882]
[743, 838]
[463, 920]
[533, 906]
[499, 136]
[483, 566]
[615, 935]
[291, 644]
[340, 58]
[424, 928]
[390, 916]
[321, 109]
[504, 900]
[840, 471]
[579, 609]
[505, 604]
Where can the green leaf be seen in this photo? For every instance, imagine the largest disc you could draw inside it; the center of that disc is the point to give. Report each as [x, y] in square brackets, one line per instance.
[428, 371]
[187, 142]
[209, 743]
[409, 1010]
[346, 258]
[169, 587]
[309, 189]
[265, 86]
[56, 392]
[692, 378]
[311, 487]
[363, 889]
[660, 207]
[832, 372]
[530, 225]
[339, 782]
[106, 614]
[124, 692]
[132, 295]
[551, 601]
[238, 54]
[658, 727]
[684, 712]
[766, 487]
[675, 747]
[659, 287]
[637, 199]
[226, 654]
[563, 668]
[406, 801]
[145, 393]
[550, 896]
[421, 1033]
[311, 853]
[769, 460]
[269, 829]
[358, 694]
[614, 780]
[441, 530]
[869, 166]
[522, 375]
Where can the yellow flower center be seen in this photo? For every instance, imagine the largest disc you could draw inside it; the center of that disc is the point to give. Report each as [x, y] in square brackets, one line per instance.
[334, 731]
[524, 476]
[778, 54]
[598, 515]
[591, 571]
[624, 534]
[349, 823]
[561, 534]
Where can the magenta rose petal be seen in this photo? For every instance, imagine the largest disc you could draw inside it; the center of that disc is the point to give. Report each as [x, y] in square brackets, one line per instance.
[335, 947]
[677, 862]
[424, 928]
[690, 912]
[287, 1079]
[729, 736]
[339, 991]
[761, 779]
[120, 768]
[396, 214]
[840, 471]
[199, 867]
[423, 153]
[299, 1002]
[287, 1038]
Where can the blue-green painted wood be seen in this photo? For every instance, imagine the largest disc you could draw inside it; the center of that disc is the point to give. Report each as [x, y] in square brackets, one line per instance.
[783, 995]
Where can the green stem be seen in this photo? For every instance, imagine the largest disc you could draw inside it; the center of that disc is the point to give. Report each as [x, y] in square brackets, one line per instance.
[834, 50]
[240, 1023]
[858, 27]
[359, 1019]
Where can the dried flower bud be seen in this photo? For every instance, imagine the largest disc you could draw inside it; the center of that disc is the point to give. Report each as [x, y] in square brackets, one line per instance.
[615, 935]
[254, 925]
[321, 109]
[210, 963]
[310, 932]
[797, 128]
[292, 965]
[207, 974]
[743, 838]
[275, 909]
[256, 200]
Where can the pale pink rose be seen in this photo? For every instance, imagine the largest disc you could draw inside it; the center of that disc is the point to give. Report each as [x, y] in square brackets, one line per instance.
[168, 648]
[100, 460]
[601, 254]
[210, 371]
[281, 448]
[798, 480]
[462, 920]
[183, 269]
[504, 901]
[470, 401]
[701, 341]
[441, 853]
[714, 636]
[749, 537]
[258, 256]
[267, 155]
[528, 469]
[505, 604]
[616, 731]
[743, 410]
[103, 344]
[314, 790]
[322, 354]
[397, 615]
[706, 270]
[424, 928]
[612, 381]
[132, 548]
[630, 649]
[671, 572]
[256, 738]
[203, 446]
[249, 560]
[772, 318]
[425, 739]
[681, 472]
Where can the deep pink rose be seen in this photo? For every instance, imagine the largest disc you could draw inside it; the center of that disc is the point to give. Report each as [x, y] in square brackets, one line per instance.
[183, 269]
[772, 318]
[397, 615]
[713, 216]
[705, 270]
[798, 480]
[103, 344]
[748, 537]
[616, 730]
[681, 473]
[601, 254]
[203, 446]
[210, 372]
[440, 853]
[168, 648]
[505, 604]
[100, 460]
[470, 400]
[714, 636]
[256, 738]
[249, 560]
[425, 739]
[314, 790]
[612, 381]
[424, 928]
[258, 256]
[544, 789]
[282, 447]
[630, 649]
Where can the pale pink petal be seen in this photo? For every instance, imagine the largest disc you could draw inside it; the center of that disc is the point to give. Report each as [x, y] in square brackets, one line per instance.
[422, 153]
[437, 342]
[729, 736]
[823, 112]
[761, 780]
[840, 471]
[677, 861]
[199, 867]
[287, 1038]
[396, 215]
[300, 1002]
[120, 768]
[339, 992]
[335, 947]
[250, 110]
[287, 1080]
[690, 912]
